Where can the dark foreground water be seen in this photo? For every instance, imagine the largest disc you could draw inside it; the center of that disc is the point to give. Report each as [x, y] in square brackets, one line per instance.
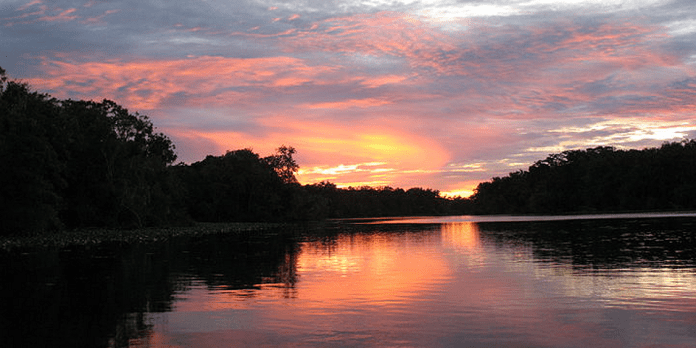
[446, 282]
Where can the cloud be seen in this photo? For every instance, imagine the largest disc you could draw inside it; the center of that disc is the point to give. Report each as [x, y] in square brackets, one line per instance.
[146, 84]
[38, 11]
[445, 85]
[359, 103]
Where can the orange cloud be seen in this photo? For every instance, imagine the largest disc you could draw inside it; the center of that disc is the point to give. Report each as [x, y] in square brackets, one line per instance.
[528, 72]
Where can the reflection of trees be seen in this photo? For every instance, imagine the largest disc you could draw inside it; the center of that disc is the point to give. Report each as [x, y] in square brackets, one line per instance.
[617, 243]
[100, 296]
[235, 262]
[79, 296]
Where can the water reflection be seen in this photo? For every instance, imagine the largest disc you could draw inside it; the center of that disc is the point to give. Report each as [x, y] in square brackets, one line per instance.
[598, 244]
[376, 269]
[108, 296]
[552, 283]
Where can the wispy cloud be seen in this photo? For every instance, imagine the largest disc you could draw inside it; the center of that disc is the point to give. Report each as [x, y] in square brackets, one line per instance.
[147, 84]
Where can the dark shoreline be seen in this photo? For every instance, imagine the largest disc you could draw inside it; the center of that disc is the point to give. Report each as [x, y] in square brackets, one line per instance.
[95, 236]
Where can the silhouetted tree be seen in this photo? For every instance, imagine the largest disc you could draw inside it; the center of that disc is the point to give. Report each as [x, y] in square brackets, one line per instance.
[32, 155]
[283, 164]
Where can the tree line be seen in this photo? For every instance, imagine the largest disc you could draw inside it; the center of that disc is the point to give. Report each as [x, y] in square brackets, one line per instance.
[74, 164]
[600, 179]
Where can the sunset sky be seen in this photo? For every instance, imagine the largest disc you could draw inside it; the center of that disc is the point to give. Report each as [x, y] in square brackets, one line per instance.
[405, 93]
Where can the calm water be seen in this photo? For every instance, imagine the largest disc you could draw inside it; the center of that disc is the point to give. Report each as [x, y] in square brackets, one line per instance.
[620, 281]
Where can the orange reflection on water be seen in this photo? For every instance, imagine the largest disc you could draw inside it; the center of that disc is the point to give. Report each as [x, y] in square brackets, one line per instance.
[377, 269]
[464, 240]
[461, 235]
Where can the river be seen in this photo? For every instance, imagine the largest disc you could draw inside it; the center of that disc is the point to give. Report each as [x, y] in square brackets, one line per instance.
[605, 281]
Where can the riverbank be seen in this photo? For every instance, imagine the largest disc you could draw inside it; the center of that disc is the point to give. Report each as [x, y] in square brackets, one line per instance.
[142, 235]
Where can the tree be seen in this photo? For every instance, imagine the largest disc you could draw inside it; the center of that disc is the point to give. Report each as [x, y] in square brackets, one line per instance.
[117, 171]
[283, 164]
[32, 160]
[239, 186]
[79, 163]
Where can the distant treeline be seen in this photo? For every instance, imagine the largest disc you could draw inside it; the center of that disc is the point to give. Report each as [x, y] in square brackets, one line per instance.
[74, 164]
[600, 179]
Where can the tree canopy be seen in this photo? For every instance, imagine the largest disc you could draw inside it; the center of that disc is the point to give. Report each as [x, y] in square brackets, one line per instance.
[598, 179]
[239, 186]
[79, 163]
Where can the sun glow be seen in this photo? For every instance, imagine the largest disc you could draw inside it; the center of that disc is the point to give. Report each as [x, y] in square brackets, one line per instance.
[344, 155]
[458, 193]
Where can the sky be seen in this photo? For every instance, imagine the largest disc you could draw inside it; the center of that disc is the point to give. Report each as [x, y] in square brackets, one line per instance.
[401, 93]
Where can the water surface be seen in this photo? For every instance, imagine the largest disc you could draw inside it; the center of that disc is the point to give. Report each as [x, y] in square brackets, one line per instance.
[626, 281]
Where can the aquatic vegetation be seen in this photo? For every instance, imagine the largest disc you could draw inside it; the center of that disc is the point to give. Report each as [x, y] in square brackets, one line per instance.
[89, 237]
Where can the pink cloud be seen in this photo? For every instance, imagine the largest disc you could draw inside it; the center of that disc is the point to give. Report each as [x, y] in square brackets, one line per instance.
[385, 33]
[146, 84]
[10, 21]
[535, 72]
[351, 103]
[98, 19]
[374, 82]
[30, 4]
[66, 15]
[43, 13]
